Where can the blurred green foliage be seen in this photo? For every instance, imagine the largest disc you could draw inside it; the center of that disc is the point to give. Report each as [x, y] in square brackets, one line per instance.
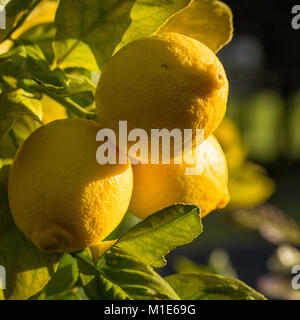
[269, 124]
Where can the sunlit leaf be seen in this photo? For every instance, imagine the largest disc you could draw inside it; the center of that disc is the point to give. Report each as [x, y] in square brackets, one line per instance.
[14, 10]
[101, 248]
[13, 7]
[218, 263]
[63, 280]
[52, 110]
[89, 34]
[15, 104]
[211, 287]
[43, 13]
[22, 129]
[185, 265]
[119, 275]
[34, 66]
[208, 21]
[156, 236]
[42, 35]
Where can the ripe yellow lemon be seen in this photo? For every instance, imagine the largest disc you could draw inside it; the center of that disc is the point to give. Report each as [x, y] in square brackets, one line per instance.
[231, 141]
[59, 196]
[159, 186]
[165, 81]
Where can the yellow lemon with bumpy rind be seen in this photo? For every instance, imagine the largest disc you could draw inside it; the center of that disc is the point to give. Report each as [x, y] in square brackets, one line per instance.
[59, 196]
[162, 185]
[165, 81]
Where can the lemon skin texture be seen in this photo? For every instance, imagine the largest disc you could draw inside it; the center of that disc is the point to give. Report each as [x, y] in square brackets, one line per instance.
[164, 81]
[162, 185]
[59, 196]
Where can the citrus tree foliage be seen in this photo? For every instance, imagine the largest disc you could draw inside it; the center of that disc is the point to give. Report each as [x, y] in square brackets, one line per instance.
[58, 58]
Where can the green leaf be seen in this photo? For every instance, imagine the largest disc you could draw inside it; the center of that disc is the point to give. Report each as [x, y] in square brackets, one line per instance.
[42, 35]
[147, 16]
[218, 263]
[76, 84]
[208, 21]
[63, 280]
[185, 265]
[35, 74]
[15, 104]
[119, 275]
[191, 286]
[34, 66]
[16, 13]
[14, 7]
[8, 150]
[125, 266]
[28, 269]
[88, 35]
[22, 129]
[96, 286]
[156, 236]
[67, 296]
[5, 162]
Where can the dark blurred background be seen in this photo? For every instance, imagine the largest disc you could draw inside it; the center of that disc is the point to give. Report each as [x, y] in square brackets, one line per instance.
[263, 67]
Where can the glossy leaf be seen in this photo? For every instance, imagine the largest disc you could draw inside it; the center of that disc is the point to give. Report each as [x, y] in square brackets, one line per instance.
[191, 286]
[208, 21]
[63, 280]
[34, 66]
[119, 275]
[99, 250]
[15, 104]
[156, 236]
[42, 35]
[14, 9]
[96, 286]
[88, 35]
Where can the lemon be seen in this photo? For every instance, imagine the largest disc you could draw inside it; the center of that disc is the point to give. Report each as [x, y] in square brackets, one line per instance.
[231, 141]
[159, 186]
[164, 81]
[59, 196]
[249, 186]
